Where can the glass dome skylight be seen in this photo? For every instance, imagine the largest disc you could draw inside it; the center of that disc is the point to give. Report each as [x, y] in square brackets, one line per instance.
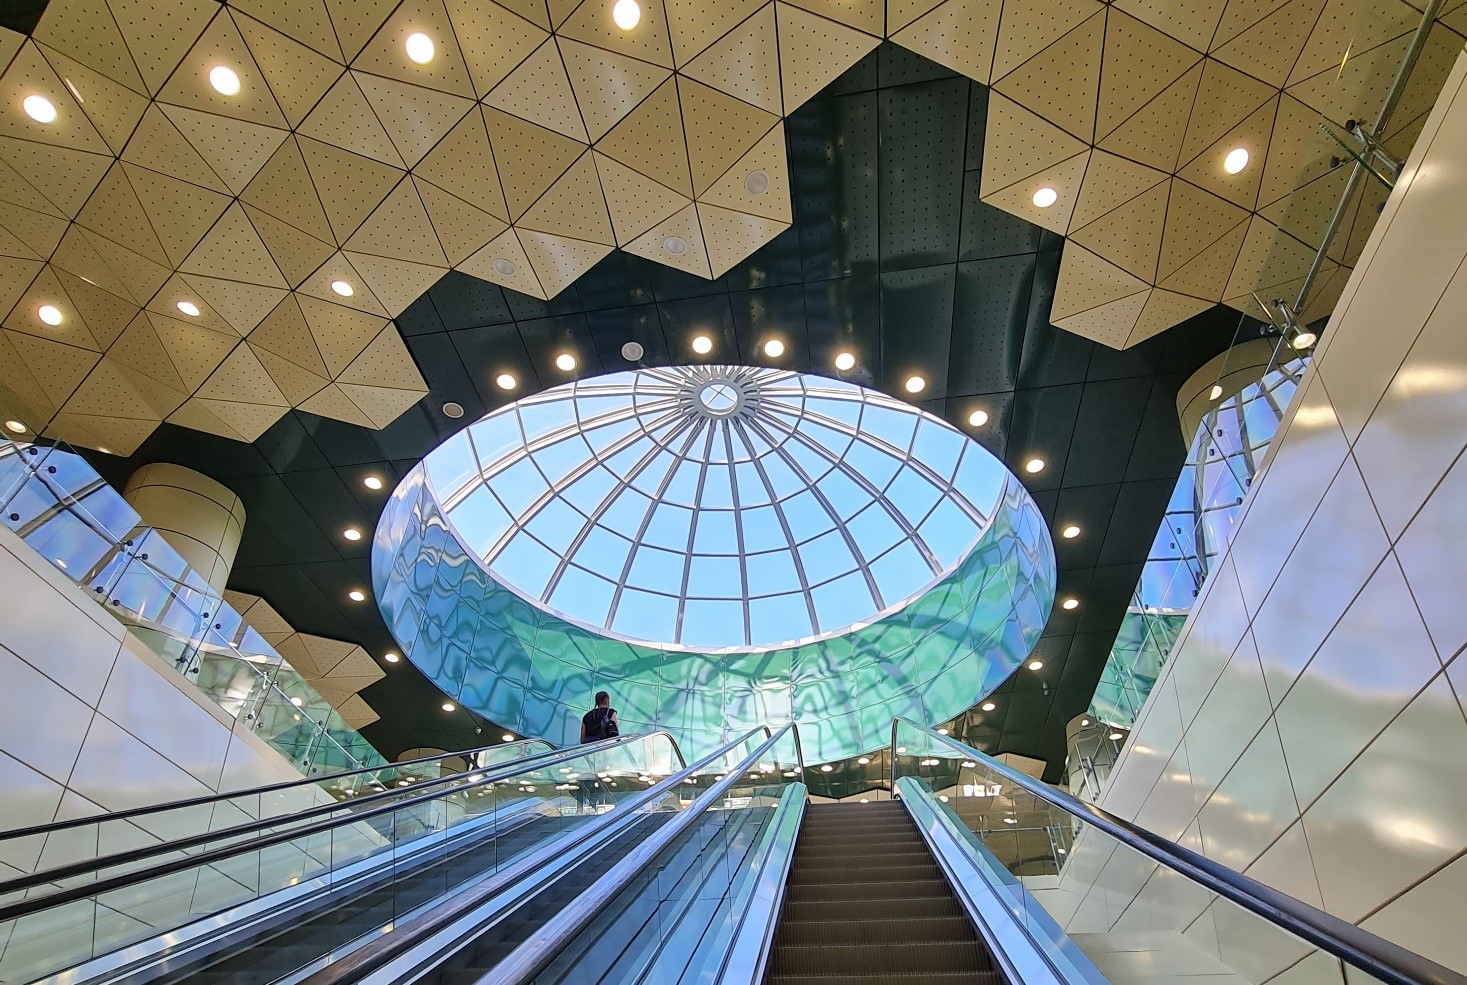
[715, 507]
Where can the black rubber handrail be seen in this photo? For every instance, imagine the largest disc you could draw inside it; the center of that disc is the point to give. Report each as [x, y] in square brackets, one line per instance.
[214, 798]
[1376, 956]
[125, 879]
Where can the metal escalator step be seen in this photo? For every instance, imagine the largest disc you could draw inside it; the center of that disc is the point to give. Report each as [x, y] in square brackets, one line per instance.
[876, 930]
[829, 892]
[936, 904]
[855, 959]
[870, 870]
[883, 978]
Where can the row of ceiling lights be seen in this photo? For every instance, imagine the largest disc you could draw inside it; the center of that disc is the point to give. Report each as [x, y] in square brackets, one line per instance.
[1233, 163]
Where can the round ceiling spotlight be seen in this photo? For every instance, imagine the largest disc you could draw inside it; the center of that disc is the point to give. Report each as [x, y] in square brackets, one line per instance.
[915, 384]
[352, 533]
[626, 13]
[845, 361]
[988, 706]
[1034, 466]
[373, 482]
[391, 657]
[1115, 737]
[453, 409]
[188, 308]
[632, 351]
[1071, 531]
[448, 706]
[1045, 197]
[297, 701]
[342, 288]
[15, 427]
[503, 267]
[39, 108]
[419, 48]
[863, 761]
[1215, 392]
[757, 183]
[1304, 340]
[1070, 604]
[565, 362]
[50, 314]
[357, 595]
[505, 381]
[1036, 664]
[675, 245]
[1236, 160]
[224, 80]
[702, 345]
[507, 737]
[826, 768]
[774, 348]
[978, 418]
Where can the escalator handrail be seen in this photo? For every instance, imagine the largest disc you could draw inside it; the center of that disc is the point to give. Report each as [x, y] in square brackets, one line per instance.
[52, 827]
[532, 957]
[123, 880]
[1376, 956]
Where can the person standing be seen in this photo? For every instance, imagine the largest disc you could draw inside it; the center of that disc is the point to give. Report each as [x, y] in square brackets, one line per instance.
[597, 724]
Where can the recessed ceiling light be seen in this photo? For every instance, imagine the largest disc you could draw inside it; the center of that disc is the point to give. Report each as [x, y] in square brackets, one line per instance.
[1084, 722]
[826, 768]
[675, 245]
[357, 595]
[702, 345]
[632, 351]
[978, 418]
[942, 797]
[503, 267]
[49, 313]
[505, 381]
[565, 362]
[1036, 664]
[863, 761]
[1115, 737]
[447, 706]
[1010, 820]
[391, 657]
[104, 449]
[297, 702]
[1070, 532]
[627, 14]
[757, 183]
[419, 48]
[507, 737]
[372, 482]
[774, 348]
[1045, 197]
[845, 361]
[1071, 604]
[1304, 340]
[15, 427]
[1034, 466]
[988, 706]
[342, 288]
[915, 384]
[188, 308]
[39, 108]
[1215, 392]
[1236, 160]
[224, 80]
[865, 801]
[942, 731]
[453, 409]
[352, 533]
[969, 764]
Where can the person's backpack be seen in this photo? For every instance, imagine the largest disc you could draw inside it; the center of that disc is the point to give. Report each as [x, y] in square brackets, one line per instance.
[605, 725]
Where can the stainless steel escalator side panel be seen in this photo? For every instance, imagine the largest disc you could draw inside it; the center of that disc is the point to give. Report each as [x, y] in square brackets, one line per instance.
[748, 954]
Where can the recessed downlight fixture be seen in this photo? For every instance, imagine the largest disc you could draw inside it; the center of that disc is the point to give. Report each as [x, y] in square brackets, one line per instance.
[826, 768]
[453, 409]
[845, 361]
[1045, 197]
[1084, 722]
[297, 702]
[507, 737]
[1036, 664]
[942, 731]
[978, 418]
[391, 657]
[357, 595]
[675, 245]
[1070, 604]
[39, 108]
[505, 381]
[419, 48]
[757, 183]
[1115, 737]
[50, 314]
[448, 706]
[372, 482]
[224, 80]
[1010, 820]
[565, 362]
[1236, 160]
[1034, 466]
[702, 345]
[1070, 531]
[1303, 340]
[988, 706]
[188, 308]
[352, 533]
[1215, 392]
[342, 288]
[15, 427]
[863, 761]
[915, 384]
[774, 348]
[632, 351]
[626, 14]
[503, 267]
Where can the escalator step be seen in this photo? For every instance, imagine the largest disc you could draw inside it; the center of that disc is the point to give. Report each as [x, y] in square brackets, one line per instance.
[870, 870]
[828, 892]
[855, 959]
[937, 904]
[879, 929]
[900, 978]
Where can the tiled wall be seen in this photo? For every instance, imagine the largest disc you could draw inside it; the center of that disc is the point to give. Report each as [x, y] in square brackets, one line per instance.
[1309, 727]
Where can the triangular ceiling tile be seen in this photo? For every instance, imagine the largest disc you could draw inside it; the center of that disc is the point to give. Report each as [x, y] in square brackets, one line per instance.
[236, 150]
[900, 13]
[696, 25]
[30, 74]
[744, 62]
[58, 368]
[1297, 151]
[1193, 22]
[720, 130]
[386, 53]
[1224, 98]
[1140, 62]
[139, 276]
[15, 276]
[533, 11]
[115, 212]
[159, 35]
[284, 189]
[339, 268]
[38, 232]
[1163, 310]
[248, 420]
[461, 228]
[607, 85]
[1251, 134]
[382, 405]
[813, 51]
[194, 414]
[742, 190]
[194, 351]
[85, 31]
[295, 383]
[307, 21]
[46, 289]
[1031, 25]
[650, 140]
[384, 362]
[285, 333]
[67, 176]
[232, 250]
[1111, 181]
[864, 15]
[1193, 220]
[1065, 178]
[731, 236]
[340, 333]
[113, 390]
[350, 186]
[1269, 49]
[109, 435]
[1129, 235]
[21, 396]
[296, 253]
[1206, 274]
[1018, 144]
[166, 302]
[181, 213]
[463, 165]
[958, 34]
[636, 202]
[355, 21]
[538, 90]
[158, 146]
[560, 10]
[298, 75]
[1306, 213]
[648, 41]
[415, 118]
[1269, 257]
[141, 351]
[241, 379]
[1060, 82]
[112, 107]
[503, 262]
[1087, 281]
[1239, 15]
[493, 40]
[331, 402]
[221, 44]
[559, 260]
[677, 243]
[15, 190]
[242, 305]
[1154, 134]
[529, 158]
[1109, 324]
[77, 255]
[573, 207]
[343, 118]
[397, 283]
[400, 228]
[106, 315]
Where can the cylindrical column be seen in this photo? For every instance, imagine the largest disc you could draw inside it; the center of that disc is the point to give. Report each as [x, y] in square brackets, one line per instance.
[201, 519]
